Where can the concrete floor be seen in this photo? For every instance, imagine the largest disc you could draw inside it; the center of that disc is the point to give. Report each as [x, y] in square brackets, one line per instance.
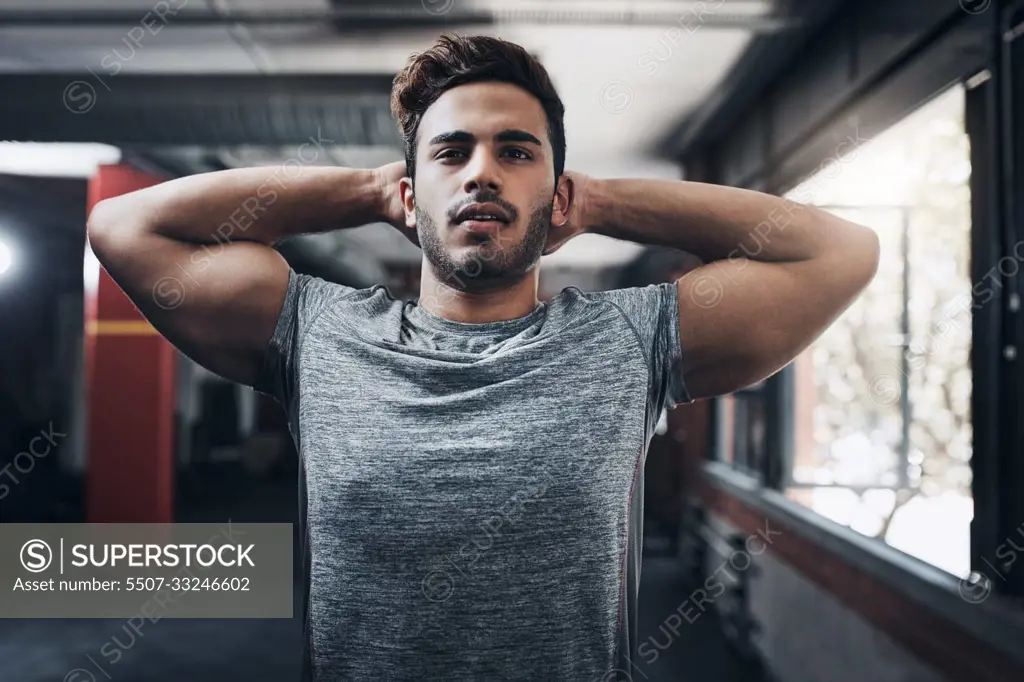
[265, 650]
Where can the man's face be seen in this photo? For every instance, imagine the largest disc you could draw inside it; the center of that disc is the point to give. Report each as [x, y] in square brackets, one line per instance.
[482, 148]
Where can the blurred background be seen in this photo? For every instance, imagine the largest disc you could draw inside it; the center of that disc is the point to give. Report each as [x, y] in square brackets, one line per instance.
[863, 509]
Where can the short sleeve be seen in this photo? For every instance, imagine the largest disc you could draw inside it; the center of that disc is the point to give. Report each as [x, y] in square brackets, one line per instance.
[653, 313]
[307, 297]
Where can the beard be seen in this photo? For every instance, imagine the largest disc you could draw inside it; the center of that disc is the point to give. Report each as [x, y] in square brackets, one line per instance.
[491, 264]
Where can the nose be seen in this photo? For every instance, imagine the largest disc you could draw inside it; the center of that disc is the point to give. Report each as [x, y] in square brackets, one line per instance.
[483, 173]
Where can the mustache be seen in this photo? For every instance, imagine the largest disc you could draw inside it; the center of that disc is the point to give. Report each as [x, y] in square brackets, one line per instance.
[484, 198]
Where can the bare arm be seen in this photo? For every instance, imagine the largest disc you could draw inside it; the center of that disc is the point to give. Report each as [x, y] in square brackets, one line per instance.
[195, 254]
[776, 275]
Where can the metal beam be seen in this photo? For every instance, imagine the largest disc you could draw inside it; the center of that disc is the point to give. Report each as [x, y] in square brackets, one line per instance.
[1010, 75]
[197, 110]
[438, 14]
[764, 60]
[865, 68]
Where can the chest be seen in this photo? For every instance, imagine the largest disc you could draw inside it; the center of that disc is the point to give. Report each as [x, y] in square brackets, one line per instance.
[412, 455]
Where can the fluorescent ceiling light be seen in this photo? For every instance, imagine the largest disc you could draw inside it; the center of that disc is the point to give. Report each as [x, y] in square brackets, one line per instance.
[62, 160]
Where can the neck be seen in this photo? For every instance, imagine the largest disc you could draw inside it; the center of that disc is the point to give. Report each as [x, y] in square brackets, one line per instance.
[511, 301]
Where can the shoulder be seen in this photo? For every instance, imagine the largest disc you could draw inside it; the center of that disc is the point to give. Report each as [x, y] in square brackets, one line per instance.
[311, 298]
[627, 301]
[316, 291]
[641, 308]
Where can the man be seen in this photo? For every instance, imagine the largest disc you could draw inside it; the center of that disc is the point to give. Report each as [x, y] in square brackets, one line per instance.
[472, 462]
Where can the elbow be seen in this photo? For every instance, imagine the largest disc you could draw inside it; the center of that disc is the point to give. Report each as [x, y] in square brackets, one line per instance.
[104, 216]
[854, 257]
[100, 222]
[106, 222]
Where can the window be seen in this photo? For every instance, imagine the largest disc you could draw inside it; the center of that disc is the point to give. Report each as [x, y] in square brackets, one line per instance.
[741, 430]
[880, 414]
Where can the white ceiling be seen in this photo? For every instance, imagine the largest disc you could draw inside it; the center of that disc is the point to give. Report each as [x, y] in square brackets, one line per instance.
[619, 99]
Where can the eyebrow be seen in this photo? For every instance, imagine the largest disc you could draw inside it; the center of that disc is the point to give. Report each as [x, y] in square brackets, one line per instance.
[507, 135]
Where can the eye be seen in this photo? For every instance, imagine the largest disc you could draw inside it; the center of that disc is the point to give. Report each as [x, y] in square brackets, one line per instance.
[450, 154]
[522, 154]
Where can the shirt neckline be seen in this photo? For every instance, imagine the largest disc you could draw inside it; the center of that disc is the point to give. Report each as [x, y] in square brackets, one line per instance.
[427, 319]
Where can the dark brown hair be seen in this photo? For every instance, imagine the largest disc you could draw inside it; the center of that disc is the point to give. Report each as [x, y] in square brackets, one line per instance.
[456, 60]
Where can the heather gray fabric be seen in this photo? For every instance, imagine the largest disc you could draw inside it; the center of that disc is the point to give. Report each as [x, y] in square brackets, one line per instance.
[472, 494]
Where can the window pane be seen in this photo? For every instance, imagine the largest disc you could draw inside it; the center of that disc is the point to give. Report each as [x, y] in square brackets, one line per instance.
[750, 443]
[881, 419]
[741, 431]
[850, 378]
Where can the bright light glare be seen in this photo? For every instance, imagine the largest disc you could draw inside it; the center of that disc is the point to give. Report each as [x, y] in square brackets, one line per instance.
[62, 160]
[6, 258]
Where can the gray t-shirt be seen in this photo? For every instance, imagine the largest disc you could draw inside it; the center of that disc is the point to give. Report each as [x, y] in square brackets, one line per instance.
[472, 494]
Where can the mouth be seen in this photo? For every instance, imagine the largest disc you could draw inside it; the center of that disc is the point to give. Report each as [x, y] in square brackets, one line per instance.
[482, 218]
[474, 225]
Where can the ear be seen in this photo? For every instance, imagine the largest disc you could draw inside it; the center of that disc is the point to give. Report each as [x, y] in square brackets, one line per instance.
[408, 201]
[564, 196]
